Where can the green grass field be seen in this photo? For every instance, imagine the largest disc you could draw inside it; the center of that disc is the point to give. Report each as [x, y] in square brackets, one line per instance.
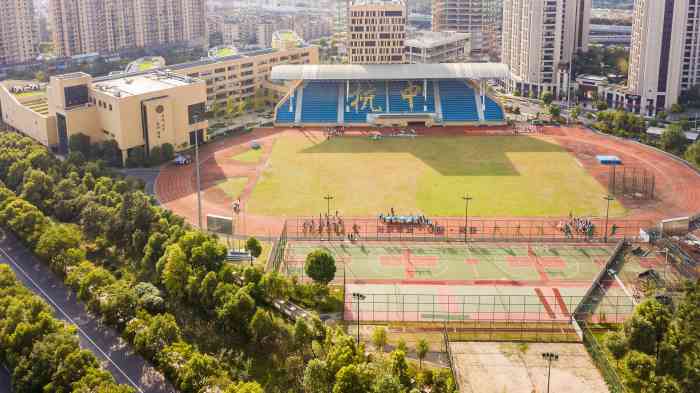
[232, 187]
[249, 156]
[506, 176]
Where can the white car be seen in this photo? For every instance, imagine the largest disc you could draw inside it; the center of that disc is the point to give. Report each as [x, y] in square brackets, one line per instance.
[182, 160]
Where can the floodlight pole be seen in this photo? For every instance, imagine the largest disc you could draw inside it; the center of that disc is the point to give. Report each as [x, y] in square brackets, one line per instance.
[199, 186]
[608, 198]
[466, 198]
[549, 357]
[358, 297]
[328, 199]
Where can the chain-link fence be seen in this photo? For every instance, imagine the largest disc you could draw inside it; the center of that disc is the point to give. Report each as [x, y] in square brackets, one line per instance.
[421, 228]
[631, 182]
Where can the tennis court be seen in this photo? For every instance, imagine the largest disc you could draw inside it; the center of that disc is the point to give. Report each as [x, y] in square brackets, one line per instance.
[454, 264]
[484, 282]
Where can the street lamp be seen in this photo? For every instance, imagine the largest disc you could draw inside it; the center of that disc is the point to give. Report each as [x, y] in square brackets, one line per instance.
[608, 198]
[358, 297]
[466, 198]
[549, 357]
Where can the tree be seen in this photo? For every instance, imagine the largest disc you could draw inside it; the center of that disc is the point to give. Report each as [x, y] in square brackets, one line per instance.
[676, 108]
[601, 105]
[401, 345]
[692, 154]
[55, 245]
[422, 350]
[236, 310]
[167, 151]
[379, 338]
[316, 377]
[40, 76]
[320, 266]
[554, 110]
[673, 139]
[547, 97]
[399, 367]
[387, 383]
[253, 246]
[351, 379]
[37, 189]
[176, 271]
[575, 112]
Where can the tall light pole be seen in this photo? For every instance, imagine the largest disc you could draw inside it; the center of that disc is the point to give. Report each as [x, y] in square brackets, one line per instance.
[466, 198]
[328, 199]
[549, 357]
[608, 198]
[199, 186]
[358, 297]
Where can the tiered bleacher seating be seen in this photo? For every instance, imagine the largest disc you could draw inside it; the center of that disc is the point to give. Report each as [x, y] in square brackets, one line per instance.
[492, 112]
[458, 101]
[398, 105]
[360, 115]
[320, 102]
[284, 115]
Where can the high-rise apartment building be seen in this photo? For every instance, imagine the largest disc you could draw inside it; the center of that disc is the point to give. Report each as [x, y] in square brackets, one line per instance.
[664, 55]
[105, 26]
[480, 18]
[377, 32]
[17, 35]
[540, 38]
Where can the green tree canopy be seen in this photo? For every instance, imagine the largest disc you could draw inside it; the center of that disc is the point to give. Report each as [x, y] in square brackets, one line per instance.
[320, 266]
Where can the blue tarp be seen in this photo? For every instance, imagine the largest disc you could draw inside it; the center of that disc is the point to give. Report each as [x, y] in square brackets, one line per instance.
[609, 160]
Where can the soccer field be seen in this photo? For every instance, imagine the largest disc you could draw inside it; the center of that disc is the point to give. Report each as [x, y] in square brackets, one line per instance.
[506, 176]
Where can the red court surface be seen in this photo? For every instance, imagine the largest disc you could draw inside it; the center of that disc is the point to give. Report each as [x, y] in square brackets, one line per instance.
[677, 185]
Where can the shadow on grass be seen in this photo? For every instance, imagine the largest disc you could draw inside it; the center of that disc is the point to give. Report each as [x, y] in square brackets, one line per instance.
[449, 156]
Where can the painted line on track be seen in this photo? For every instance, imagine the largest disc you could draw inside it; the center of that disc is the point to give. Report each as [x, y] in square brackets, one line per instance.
[80, 329]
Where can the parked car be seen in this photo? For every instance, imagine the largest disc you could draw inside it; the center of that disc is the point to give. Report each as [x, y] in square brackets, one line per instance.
[182, 160]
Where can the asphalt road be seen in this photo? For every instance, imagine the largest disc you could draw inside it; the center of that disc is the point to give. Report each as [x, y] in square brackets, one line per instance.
[5, 382]
[115, 354]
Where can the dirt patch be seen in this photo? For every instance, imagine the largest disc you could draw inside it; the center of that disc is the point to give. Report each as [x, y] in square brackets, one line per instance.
[488, 367]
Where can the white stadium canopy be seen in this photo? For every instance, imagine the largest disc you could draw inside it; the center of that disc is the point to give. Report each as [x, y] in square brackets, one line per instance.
[390, 71]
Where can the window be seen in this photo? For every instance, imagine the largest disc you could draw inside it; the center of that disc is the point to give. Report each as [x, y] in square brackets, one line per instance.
[76, 95]
[196, 112]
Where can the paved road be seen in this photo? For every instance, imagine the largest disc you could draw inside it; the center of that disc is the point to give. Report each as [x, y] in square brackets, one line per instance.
[5, 382]
[116, 355]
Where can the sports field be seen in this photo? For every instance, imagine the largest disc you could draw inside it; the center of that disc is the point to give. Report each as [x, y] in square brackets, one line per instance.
[505, 175]
[454, 264]
[541, 283]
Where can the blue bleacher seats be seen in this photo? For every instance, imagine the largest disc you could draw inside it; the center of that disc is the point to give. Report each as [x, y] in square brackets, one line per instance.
[397, 103]
[359, 114]
[320, 102]
[458, 101]
[284, 115]
[493, 112]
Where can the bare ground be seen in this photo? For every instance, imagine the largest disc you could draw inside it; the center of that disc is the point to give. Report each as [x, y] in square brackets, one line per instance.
[488, 367]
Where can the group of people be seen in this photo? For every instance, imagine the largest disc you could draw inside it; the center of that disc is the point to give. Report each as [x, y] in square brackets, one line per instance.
[577, 226]
[326, 224]
[334, 131]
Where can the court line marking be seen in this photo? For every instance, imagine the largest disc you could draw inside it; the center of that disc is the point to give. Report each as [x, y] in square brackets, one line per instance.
[57, 307]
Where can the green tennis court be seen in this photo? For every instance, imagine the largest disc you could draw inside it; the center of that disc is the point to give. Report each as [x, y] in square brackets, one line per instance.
[454, 264]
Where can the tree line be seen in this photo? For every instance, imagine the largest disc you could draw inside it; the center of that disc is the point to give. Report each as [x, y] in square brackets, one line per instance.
[205, 323]
[42, 352]
[658, 349]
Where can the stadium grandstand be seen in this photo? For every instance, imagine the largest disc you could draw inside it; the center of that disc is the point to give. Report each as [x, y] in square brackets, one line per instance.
[389, 95]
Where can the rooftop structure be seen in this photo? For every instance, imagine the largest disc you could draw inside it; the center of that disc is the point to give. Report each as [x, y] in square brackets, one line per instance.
[286, 39]
[438, 47]
[223, 51]
[126, 85]
[390, 71]
[145, 64]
